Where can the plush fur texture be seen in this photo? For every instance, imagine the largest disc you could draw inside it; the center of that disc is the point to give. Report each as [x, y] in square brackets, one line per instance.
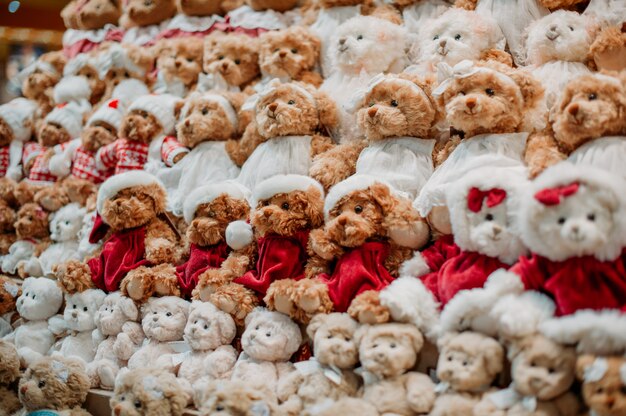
[603, 393]
[38, 85]
[609, 48]
[95, 14]
[203, 7]
[145, 13]
[227, 397]
[179, 59]
[9, 374]
[146, 392]
[233, 57]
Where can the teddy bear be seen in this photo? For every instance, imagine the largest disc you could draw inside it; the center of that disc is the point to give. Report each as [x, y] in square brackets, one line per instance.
[468, 364]
[209, 210]
[609, 47]
[401, 123]
[417, 13]
[329, 374]
[343, 406]
[208, 121]
[121, 62]
[117, 315]
[144, 20]
[290, 54]
[454, 36]
[39, 78]
[54, 384]
[78, 321]
[131, 206]
[178, 64]
[542, 372]
[361, 48]
[209, 333]
[603, 383]
[587, 126]
[230, 62]
[288, 119]
[9, 207]
[268, 342]
[354, 255]
[557, 48]
[495, 107]
[33, 237]
[571, 220]
[285, 210]
[16, 128]
[163, 320]
[147, 391]
[9, 292]
[9, 376]
[227, 397]
[64, 227]
[387, 353]
[90, 25]
[85, 65]
[41, 299]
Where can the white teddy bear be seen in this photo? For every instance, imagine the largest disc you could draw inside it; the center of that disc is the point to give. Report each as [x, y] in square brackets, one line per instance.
[163, 320]
[41, 299]
[117, 315]
[85, 247]
[78, 320]
[268, 342]
[64, 227]
[208, 333]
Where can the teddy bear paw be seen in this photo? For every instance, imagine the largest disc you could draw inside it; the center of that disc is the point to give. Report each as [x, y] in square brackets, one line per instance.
[312, 297]
[74, 276]
[366, 308]
[137, 284]
[279, 296]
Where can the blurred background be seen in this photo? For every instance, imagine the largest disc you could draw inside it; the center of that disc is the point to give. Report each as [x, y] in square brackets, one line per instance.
[28, 28]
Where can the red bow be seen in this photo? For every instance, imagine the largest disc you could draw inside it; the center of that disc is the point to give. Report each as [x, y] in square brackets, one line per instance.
[476, 197]
[553, 196]
[114, 103]
[61, 105]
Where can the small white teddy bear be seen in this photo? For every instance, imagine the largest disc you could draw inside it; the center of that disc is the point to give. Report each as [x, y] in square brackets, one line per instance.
[41, 299]
[78, 320]
[117, 315]
[163, 320]
[64, 227]
[208, 332]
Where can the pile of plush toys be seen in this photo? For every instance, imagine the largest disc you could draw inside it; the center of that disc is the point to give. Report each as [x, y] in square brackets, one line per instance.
[272, 207]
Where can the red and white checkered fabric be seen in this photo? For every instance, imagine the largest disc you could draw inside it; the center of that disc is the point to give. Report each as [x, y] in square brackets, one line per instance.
[122, 155]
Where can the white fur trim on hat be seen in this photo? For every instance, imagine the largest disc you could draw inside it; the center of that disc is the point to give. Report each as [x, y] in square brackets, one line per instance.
[69, 116]
[77, 63]
[74, 88]
[343, 188]
[121, 181]
[358, 99]
[283, 184]
[111, 112]
[160, 106]
[128, 90]
[228, 108]
[116, 57]
[265, 89]
[15, 113]
[239, 234]
[562, 174]
[208, 193]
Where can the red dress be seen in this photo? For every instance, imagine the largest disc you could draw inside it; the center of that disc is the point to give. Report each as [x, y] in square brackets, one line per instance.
[280, 257]
[200, 260]
[360, 269]
[576, 283]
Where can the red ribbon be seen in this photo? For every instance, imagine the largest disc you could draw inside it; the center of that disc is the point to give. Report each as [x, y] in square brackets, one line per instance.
[476, 197]
[114, 103]
[553, 196]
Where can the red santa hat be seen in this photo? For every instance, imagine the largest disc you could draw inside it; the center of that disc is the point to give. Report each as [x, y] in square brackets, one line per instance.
[282, 184]
[161, 106]
[68, 116]
[345, 187]
[208, 193]
[111, 112]
[16, 113]
[121, 181]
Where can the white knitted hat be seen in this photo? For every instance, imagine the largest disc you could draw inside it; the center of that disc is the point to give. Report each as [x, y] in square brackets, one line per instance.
[15, 113]
[116, 57]
[128, 90]
[209, 193]
[77, 63]
[161, 106]
[72, 88]
[121, 181]
[111, 112]
[343, 188]
[282, 184]
[68, 116]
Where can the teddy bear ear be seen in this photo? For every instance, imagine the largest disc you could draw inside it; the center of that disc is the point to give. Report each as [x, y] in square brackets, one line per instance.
[493, 355]
[582, 364]
[226, 326]
[178, 106]
[382, 195]
[327, 110]
[361, 333]
[445, 339]
[315, 324]
[417, 339]
[530, 87]
[315, 208]
[128, 308]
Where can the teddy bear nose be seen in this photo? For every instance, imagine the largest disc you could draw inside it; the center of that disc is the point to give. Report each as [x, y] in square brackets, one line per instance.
[497, 230]
[225, 65]
[155, 318]
[117, 410]
[573, 109]
[272, 107]
[282, 54]
[470, 103]
[342, 41]
[74, 314]
[372, 111]
[177, 64]
[442, 43]
[23, 389]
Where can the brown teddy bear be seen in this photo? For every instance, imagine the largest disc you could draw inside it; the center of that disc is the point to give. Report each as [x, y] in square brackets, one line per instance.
[145, 19]
[285, 209]
[39, 80]
[85, 65]
[230, 62]
[16, 128]
[290, 55]
[387, 353]
[178, 64]
[147, 391]
[329, 375]
[96, 14]
[120, 62]
[588, 124]
[9, 292]
[603, 384]
[132, 205]
[398, 117]
[55, 383]
[289, 119]
[233, 397]
[9, 375]
[468, 363]
[354, 255]
[609, 48]
[204, 7]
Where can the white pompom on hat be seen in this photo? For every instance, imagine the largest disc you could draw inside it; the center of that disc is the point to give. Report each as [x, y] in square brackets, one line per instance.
[69, 116]
[161, 106]
[74, 88]
[122, 181]
[208, 193]
[282, 184]
[16, 113]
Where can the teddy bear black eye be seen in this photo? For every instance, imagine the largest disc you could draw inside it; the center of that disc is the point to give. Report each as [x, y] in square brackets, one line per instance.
[195, 322]
[147, 2]
[219, 407]
[394, 103]
[294, 50]
[600, 390]
[359, 37]
[329, 336]
[375, 346]
[73, 306]
[137, 404]
[489, 217]
[206, 327]
[371, 104]
[205, 111]
[571, 28]
[168, 314]
[291, 102]
[237, 61]
[211, 214]
[392, 345]
[257, 327]
[220, 57]
[465, 363]
[436, 37]
[457, 37]
[189, 59]
[591, 217]
[85, 309]
[285, 206]
[561, 220]
[449, 358]
[592, 96]
[551, 370]
[276, 50]
[266, 203]
[41, 384]
[348, 339]
[461, 92]
[153, 313]
[490, 92]
[268, 334]
[123, 398]
[126, 74]
[358, 209]
[623, 390]
[34, 296]
[88, 76]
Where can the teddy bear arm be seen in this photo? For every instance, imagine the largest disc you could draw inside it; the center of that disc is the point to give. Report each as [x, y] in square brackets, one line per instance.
[10, 401]
[322, 245]
[134, 332]
[310, 77]
[487, 408]
[220, 363]
[466, 4]
[336, 164]
[240, 150]
[316, 265]
[559, 4]
[541, 152]
[444, 151]
[420, 392]
[74, 276]
[397, 256]
[320, 144]
[161, 243]
[284, 370]
[52, 197]
[32, 267]
[497, 55]
[567, 404]
[123, 347]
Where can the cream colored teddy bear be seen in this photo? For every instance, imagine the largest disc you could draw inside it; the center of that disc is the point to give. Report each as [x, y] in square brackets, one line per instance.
[387, 352]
